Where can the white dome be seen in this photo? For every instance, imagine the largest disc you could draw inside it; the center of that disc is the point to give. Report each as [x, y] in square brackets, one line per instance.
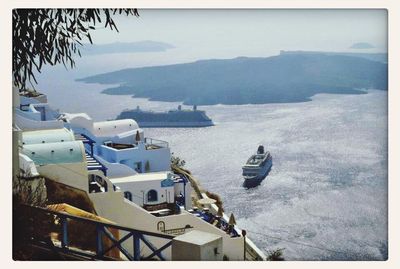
[115, 127]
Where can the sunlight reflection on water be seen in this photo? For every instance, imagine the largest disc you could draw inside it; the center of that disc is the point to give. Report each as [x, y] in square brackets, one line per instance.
[328, 184]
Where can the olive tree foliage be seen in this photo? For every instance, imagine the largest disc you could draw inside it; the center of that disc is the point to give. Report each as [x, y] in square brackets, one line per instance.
[54, 36]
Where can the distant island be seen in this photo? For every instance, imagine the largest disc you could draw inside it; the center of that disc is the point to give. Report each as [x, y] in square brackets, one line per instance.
[125, 47]
[288, 77]
[362, 45]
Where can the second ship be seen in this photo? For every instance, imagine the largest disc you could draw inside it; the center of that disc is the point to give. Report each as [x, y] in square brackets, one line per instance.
[172, 118]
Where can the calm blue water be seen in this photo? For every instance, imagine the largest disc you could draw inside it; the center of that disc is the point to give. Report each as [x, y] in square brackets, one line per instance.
[326, 195]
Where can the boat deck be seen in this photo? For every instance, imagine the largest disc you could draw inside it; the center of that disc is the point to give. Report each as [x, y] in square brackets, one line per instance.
[255, 159]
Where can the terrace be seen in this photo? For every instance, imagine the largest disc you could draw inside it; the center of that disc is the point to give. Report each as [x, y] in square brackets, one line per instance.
[150, 144]
[119, 146]
[217, 221]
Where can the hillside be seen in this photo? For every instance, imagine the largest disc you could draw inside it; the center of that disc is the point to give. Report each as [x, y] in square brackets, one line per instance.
[379, 56]
[276, 79]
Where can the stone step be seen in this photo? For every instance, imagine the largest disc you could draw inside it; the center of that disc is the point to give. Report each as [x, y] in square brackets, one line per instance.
[94, 167]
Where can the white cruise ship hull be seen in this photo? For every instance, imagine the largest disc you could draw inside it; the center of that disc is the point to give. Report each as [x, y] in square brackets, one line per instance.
[259, 174]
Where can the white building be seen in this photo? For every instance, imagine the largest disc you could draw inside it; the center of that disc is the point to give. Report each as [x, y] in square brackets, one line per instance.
[33, 113]
[122, 142]
[122, 195]
[155, 191]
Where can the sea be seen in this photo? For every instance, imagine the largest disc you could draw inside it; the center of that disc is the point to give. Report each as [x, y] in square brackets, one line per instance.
[326, 195]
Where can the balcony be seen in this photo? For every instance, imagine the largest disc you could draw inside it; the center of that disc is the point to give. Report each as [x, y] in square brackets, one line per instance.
[119, 146]
[156, 152]
[152, 143]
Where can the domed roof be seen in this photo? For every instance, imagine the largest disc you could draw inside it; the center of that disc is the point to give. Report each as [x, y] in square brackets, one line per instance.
[54, 153]
[47, 136]
[114, 127]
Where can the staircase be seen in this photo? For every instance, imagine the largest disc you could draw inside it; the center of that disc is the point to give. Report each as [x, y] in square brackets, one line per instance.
[83, 138]
[94, 164]
[86, 141]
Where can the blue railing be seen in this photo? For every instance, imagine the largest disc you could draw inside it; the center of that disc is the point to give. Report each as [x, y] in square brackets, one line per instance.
[102, 230]
[86, 140]
[103, 167]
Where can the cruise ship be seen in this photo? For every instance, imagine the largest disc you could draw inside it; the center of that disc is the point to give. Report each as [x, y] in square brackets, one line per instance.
[173, 118]
[125, 180]
[257, 167]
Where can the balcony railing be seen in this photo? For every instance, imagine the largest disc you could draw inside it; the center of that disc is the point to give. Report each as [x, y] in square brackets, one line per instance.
[102, 233]
[152, 143]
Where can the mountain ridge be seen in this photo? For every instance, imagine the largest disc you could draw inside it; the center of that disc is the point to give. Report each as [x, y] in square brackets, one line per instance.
[248, 80]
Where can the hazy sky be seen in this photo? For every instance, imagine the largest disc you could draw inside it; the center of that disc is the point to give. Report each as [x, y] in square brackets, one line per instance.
[224, 34]
[231, 33]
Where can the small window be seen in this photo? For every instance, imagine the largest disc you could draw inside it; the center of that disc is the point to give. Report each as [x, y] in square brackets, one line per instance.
[152, 196]
[128, 195]
[161, 226]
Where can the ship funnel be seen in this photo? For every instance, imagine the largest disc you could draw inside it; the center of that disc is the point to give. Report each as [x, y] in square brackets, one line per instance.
[260, 149]
[194, 107]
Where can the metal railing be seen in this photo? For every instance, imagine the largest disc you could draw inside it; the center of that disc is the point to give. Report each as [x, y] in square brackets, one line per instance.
[177, 231]
[103, 168]
[102, 231]
[155, 142]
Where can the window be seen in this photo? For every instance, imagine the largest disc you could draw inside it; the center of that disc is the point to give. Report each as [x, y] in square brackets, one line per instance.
[138, 167]
[152, 196]
[161, 226]
[128, 195]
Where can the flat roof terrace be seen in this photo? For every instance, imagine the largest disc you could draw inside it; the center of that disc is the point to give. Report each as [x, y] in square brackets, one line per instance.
[150, 144]
[155, 176]
[119, 145]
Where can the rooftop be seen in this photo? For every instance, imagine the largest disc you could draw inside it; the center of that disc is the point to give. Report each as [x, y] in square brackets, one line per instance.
[47, 136]
[30, 93]
[114, 127]
[156, 176]
[197, 237]
[54, 153]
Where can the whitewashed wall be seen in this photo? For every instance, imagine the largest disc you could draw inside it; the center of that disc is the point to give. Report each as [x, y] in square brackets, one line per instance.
[133, 216]
[139, 190]
[159, 159]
